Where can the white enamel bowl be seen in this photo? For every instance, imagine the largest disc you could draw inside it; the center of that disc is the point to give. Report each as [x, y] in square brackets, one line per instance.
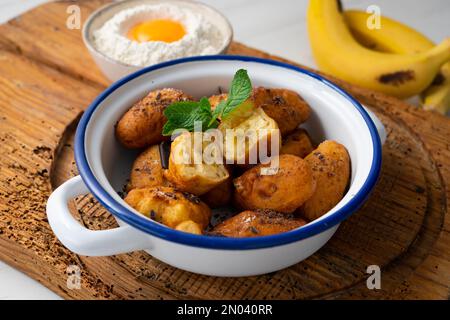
[104, 168]
[115, 70]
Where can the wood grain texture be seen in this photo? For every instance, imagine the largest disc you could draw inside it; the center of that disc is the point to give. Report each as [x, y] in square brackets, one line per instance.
[44, 86]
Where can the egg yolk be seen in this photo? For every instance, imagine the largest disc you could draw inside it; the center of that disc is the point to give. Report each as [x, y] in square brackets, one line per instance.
[157, 30]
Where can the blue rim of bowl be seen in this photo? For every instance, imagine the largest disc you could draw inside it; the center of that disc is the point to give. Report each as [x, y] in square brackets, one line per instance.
[203, 241]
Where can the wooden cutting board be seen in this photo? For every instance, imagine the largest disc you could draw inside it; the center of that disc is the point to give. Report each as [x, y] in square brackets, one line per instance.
[46, 80]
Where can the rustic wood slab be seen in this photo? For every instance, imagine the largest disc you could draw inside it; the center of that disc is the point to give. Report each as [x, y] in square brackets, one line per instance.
[47, 78]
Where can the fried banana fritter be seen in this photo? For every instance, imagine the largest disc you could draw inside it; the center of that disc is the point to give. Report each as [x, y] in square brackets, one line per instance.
[257, 223]
[330, 164]
[173, 208]
[147, 170]
[297, 143]
[284, 191]
[142, 124]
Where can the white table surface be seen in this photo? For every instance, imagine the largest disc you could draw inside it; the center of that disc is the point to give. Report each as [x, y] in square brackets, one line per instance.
[275, 26]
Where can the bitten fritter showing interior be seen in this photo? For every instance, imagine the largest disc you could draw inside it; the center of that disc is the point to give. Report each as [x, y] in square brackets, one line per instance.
[257, 223]
[283, 191]
[330, 164]
[246, 141]
[297, 143]
[147, 170]
[142, 124]
[284, 106]
[175, 209]
[187, 174]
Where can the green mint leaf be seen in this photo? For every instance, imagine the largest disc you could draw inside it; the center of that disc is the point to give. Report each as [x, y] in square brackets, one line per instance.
[177, 112]
[240, 90]
[218, 111]
[219, 108]
[212, 123]
[203, 113]
[184, 114]
[168, 128]
[204, 105]
[244, 110]
[179, 115]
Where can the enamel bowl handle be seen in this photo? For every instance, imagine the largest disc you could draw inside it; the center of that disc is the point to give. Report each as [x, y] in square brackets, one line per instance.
[81, 240]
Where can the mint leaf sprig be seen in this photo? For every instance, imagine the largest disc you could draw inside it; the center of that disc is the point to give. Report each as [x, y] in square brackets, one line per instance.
[183, 114]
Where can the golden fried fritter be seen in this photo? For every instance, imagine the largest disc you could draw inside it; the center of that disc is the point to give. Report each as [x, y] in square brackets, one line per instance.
[330, 164]
[173, 208]
[297, 143]
[185, 174]
[257, 223]
[257, 133]
[284, 106]
[147, 170]
[284, 191]
[142, 124]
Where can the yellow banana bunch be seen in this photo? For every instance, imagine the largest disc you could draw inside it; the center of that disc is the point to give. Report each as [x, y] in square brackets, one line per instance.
[395, 37]
[337, 52]
[392, 36]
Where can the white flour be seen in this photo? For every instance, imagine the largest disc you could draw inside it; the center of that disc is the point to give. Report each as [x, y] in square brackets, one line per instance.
[201, 36]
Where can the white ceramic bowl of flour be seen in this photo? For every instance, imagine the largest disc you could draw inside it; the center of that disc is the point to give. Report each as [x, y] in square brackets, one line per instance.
[208, 32]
